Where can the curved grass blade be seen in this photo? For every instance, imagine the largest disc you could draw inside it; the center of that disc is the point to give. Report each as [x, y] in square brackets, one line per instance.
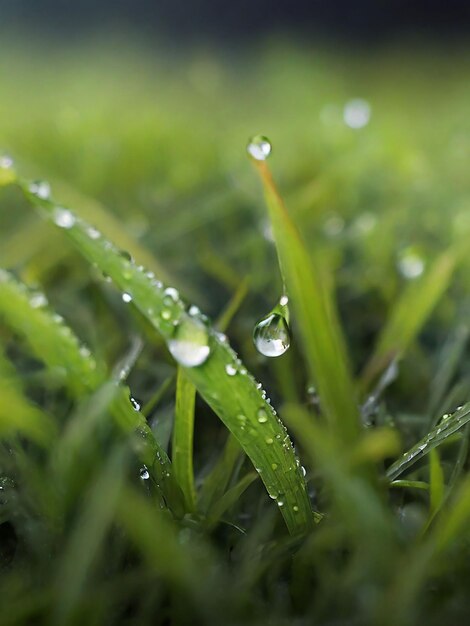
[229, 498]
[183, 434]
[410, 314]
[53, 343]
[448, 425]
[237, 399]
[311, 300]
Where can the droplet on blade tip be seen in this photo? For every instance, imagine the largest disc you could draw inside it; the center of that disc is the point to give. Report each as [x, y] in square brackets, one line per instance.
[259, 147]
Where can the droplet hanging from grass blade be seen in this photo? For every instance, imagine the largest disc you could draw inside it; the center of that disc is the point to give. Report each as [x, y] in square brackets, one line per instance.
[271, 335]
[259, 147]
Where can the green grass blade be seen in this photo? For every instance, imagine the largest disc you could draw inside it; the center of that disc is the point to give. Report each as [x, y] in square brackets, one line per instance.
[219, 477]
[183, 434]
[238, 400]
[229, 498]
[436, 482]
[410, 314]
[448, 425]
[313, 306]
[53, 343]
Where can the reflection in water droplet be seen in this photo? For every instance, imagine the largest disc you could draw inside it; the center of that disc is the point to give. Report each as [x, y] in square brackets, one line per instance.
[144, 473]
[190, 343]
[127, 297]
[271, 335]
[259, 147]
[63, 217]
[410, 263]
[41, 189]
[356, 113]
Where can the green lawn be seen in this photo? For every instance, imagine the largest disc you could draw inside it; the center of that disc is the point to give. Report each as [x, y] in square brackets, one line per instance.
[146, 473]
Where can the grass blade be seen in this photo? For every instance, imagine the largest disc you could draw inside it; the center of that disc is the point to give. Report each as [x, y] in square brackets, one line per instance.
[237, 399]
[53, 343]
[229, 498]
[410, 314]
[436, 482]
[448, 425]
[183, 433]
[317, 318]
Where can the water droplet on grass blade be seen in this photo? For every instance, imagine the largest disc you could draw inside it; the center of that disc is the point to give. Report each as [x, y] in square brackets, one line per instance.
[190, 343]
[144, 473]
[126, 297]
[259, 147]
[262, 416]
[63, 218]
[271, 335]
[135, 403]
[41, 189]
[230, 369]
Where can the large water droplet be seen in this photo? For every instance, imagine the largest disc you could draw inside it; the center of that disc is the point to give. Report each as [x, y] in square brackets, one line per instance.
[259, 147]
[190, 344]
[271, 335]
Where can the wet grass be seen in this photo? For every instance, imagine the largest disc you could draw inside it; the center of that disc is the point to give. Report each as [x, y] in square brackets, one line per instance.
[144, 476]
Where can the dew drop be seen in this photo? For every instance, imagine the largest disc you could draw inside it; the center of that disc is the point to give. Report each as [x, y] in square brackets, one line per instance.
[93, 233]
[259, 147]
[41, 189]
[356, 113]
[230, 369]
[124, 254]
[38, 300]
[170, 295]
[295, 508]
[63, 218]
[271, 335]
[136, 405]
[144, 473]
[194, 311]
[274, 466]
[262, 416]
[284, 300]
[269, 440]
[6, 162]
[410, 263]
[190, 343]
[126, 297]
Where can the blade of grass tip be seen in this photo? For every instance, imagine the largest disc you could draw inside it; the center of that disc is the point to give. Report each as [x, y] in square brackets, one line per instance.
[53, 343]
[409, 314]
[83, 547]
[209, 361]
[183, 434]
[311, 300]
[448, 425]
[449, 359]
